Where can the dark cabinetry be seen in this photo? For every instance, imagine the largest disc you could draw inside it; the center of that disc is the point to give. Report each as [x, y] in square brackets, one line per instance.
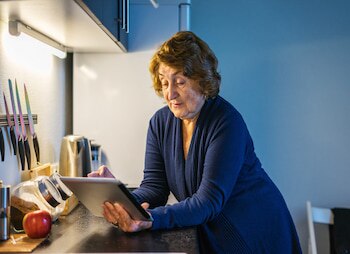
[113, 17]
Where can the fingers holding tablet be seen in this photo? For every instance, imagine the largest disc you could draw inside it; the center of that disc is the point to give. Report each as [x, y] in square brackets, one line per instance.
[120, 218]
[102, 171]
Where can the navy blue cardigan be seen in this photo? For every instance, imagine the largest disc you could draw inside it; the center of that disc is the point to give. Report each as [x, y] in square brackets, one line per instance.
[221, 186]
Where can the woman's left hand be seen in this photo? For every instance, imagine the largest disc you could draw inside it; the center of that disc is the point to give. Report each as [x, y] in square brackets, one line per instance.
[102, 171]
[118, 216]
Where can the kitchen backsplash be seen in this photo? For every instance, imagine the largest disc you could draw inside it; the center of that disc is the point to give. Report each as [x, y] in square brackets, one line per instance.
[47, 81]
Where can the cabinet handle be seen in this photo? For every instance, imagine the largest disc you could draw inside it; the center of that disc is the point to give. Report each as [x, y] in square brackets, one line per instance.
[123, 14]
[126, 20]
[127, 23]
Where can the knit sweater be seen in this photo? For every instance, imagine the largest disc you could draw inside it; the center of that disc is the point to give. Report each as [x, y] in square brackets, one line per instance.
[221, 186]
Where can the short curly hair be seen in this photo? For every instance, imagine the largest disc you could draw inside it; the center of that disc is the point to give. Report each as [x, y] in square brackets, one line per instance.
[186, 52]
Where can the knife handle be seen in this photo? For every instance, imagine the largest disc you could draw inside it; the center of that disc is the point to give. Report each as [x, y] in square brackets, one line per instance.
[13, 140]
[27, 152]
[36, 147]
[2, 146]
[21, 153]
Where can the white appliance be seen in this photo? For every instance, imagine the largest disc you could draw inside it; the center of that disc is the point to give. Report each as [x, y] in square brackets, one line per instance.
[113, 98]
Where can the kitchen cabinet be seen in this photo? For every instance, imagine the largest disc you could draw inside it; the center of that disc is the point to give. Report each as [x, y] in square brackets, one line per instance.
[69, 22]
[112, 16]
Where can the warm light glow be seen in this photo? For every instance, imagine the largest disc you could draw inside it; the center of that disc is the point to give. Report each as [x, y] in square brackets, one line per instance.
[26, 53]
[88, 72]
[34, 43]
[24, 32]
[44, 46]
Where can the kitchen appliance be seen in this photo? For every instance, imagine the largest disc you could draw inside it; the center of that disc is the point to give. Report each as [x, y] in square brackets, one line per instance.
[5, 217]
[96, 153]
[75, 156]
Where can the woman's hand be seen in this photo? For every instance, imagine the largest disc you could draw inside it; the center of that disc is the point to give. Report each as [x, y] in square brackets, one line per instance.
[118, 216]
[102, 171]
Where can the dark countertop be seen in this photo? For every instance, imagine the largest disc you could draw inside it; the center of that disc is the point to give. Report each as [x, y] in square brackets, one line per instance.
[81, 232]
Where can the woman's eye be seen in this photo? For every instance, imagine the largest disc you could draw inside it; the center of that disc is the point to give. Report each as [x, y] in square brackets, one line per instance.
[164, 85]
[180, 82]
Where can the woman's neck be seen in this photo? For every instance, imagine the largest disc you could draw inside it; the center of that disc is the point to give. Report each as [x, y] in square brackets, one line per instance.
[188, 126]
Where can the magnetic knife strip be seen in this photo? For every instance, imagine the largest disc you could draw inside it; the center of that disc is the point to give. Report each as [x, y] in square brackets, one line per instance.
[3, 120]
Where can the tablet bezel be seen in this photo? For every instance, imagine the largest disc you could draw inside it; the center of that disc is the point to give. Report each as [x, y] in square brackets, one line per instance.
[92, 192]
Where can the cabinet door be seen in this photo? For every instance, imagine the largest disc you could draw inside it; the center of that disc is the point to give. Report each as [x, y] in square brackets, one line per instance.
[123, 19]
[109, 13]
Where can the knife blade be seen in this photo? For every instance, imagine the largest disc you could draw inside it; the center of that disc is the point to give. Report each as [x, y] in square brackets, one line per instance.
[24, 131]
[11, 125]
[31, 126]
[18, 134]
[2, 146]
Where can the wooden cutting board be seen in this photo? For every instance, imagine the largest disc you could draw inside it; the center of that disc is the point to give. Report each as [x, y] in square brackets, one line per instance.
[23, 244]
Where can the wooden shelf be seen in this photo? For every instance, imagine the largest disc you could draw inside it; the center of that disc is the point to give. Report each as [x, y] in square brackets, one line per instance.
[3, 120]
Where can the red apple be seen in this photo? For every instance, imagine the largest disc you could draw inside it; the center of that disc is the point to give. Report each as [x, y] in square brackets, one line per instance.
[37, 224]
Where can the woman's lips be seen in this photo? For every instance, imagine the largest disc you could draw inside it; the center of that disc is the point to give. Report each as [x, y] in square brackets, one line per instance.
[176, 104]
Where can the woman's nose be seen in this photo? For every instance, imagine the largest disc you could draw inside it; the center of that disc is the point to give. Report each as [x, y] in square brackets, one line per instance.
[172, 91]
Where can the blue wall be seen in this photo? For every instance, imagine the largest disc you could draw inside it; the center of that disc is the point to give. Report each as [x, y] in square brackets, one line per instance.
[286, 68]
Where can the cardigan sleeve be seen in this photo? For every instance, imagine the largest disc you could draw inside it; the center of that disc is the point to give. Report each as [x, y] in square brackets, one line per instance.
[154, 187]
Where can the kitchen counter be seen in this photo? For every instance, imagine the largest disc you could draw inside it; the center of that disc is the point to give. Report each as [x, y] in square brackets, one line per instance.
[81, 232]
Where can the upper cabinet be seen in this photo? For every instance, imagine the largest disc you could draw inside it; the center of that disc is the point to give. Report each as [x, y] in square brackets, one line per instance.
[112, 16]
[97, 26]
[72, 22]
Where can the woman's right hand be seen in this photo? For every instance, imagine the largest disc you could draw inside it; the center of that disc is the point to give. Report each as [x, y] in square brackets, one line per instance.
[120, 218]
[102, 171]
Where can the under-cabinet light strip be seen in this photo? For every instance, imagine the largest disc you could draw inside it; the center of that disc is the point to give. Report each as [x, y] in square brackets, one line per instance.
[17, 27]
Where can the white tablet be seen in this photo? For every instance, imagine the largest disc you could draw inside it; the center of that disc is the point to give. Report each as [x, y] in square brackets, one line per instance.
[92, 192]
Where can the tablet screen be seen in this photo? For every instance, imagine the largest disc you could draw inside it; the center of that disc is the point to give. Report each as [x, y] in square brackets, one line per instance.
[92, 192]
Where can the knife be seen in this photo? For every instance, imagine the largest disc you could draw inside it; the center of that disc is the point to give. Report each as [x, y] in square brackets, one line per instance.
[11, 125]
[18, 134]
[31, 126]
[24, 131]
[2, 146]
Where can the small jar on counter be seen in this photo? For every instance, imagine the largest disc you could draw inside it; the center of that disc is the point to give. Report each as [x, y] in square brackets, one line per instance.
[5, 216]
[38, 194]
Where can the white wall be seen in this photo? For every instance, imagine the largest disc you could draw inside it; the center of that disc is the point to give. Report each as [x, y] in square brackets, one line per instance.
[113, 102]
[285, 66]
[113, 94]
[45, 78]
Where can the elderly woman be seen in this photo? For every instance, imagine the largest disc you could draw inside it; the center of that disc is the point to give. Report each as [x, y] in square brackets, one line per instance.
[199, 148]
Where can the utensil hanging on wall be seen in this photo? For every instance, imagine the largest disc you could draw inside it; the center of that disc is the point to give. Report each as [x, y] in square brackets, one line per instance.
[18, 134]
[24, 131]
[2, 146]
[11, 126]
[31, 127]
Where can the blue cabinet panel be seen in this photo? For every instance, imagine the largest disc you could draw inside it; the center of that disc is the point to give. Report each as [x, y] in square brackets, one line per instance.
[110, 14]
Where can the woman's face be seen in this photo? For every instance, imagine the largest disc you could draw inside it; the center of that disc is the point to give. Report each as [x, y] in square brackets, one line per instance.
[182, 94]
